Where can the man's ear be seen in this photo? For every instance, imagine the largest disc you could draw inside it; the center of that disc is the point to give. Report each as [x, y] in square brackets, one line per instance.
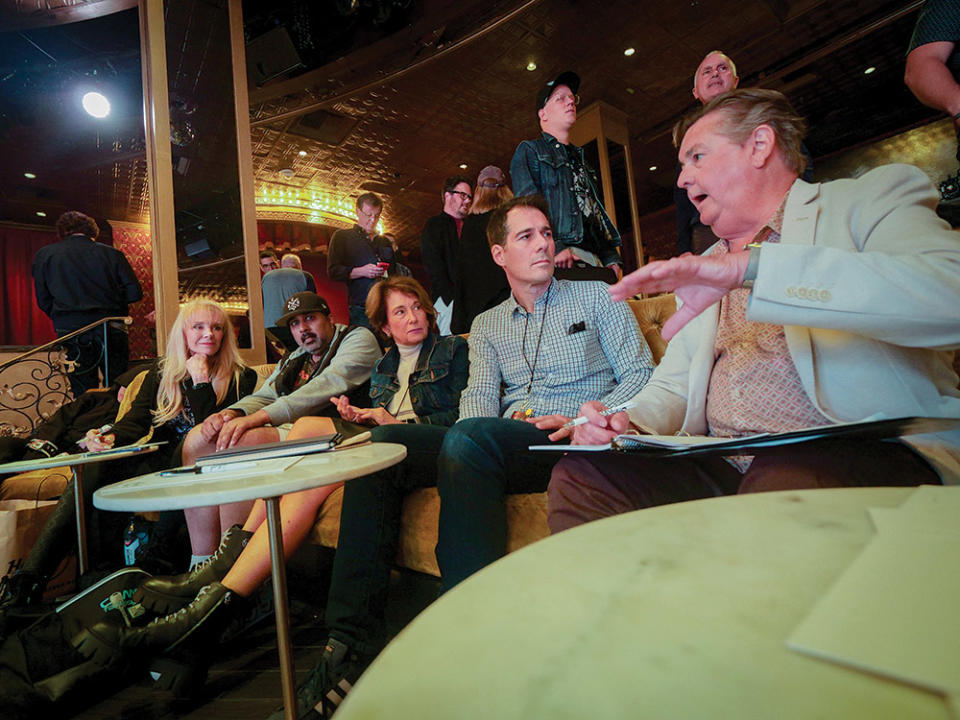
[762, 145]
[540, 114]
[497, 252]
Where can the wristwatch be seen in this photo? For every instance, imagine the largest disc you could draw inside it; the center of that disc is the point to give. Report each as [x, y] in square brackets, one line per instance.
[750, 276]
[44, 447]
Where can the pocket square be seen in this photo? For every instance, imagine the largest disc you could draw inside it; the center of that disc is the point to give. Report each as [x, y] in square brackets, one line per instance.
[577, 327]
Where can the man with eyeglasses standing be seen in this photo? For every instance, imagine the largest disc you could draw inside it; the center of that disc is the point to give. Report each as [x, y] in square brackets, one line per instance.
[553, 167]
[359, 257]
[438, 246]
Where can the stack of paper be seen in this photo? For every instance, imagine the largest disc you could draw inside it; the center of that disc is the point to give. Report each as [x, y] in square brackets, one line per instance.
[896, 610]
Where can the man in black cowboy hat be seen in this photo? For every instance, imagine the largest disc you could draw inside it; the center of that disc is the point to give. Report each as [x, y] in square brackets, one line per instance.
[330, 360]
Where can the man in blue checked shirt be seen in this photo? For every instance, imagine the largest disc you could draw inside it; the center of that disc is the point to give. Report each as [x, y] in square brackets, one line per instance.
[534, 360]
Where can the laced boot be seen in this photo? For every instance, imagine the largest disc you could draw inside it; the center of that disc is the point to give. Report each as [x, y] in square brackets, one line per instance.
[24, 587]
[328, 683]
[165, 595]
[200, 623]
[20, 601]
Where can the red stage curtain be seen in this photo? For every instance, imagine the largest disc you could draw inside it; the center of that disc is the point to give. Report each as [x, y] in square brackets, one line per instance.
[21, 321]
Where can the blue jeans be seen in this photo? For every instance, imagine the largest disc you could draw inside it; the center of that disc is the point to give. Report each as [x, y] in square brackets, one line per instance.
[474, 464]
[482, 461]
[369, 534]
[358, 316]
[87, 352]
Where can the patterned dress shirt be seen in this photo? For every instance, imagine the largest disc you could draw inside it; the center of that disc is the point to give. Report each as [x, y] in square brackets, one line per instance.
[576, 345]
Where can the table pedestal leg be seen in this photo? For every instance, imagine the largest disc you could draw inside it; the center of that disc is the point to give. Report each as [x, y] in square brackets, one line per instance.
[278, 568]
[81, 519]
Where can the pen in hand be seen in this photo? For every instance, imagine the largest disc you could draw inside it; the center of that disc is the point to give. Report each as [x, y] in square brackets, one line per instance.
[582, 420]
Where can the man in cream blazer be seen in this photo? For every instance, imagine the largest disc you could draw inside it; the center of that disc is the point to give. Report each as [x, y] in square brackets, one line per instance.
[849, 308]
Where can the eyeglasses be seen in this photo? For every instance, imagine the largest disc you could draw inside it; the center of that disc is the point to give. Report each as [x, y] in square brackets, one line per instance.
[465, 195]
[562, 99]
[372, 215]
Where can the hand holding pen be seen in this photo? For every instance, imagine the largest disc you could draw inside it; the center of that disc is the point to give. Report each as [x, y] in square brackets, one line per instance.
[596, 425]
[99, 439]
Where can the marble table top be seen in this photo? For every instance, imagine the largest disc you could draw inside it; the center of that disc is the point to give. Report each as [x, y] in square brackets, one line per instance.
[83, 458]
[680, 611]
[247, 481]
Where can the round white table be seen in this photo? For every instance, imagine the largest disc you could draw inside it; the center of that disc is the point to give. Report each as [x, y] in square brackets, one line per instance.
[266, 479]
[76, 463]
[680, 611]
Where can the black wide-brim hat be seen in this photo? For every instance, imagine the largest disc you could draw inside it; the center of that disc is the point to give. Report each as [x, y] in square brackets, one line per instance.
[300, 304]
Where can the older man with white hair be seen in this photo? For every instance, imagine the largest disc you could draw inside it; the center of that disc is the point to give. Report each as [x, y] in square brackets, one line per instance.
[822, 303]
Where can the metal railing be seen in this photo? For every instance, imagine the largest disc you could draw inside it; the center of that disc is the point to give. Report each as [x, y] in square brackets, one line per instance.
[37, 382]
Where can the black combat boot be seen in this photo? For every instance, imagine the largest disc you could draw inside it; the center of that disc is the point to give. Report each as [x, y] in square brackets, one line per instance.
[168, 594]
[200, 623]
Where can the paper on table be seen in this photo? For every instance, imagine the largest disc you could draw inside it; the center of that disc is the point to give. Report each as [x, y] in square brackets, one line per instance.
[893, 612]
[896, 520]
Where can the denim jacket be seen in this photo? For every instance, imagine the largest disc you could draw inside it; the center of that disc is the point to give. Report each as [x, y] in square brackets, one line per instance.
[436, 382]
[542, 167]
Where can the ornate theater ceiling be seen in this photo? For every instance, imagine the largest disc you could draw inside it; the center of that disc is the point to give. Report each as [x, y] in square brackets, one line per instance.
[394, 95]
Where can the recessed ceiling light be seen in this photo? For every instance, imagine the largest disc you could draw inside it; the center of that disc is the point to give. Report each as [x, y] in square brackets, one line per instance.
[29, 176]
[629, 51]
[463, 166]
[41, 213]
[531, 66]
[869, 70]
[96, 104]
[302, 153]
[652, 168]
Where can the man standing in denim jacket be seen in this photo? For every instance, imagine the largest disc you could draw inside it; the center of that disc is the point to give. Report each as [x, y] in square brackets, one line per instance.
[551, 166]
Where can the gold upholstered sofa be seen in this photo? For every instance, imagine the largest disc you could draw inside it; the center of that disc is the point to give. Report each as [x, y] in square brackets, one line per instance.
[526, 513]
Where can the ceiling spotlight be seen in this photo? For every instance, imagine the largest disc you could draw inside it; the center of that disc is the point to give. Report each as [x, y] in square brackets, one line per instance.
[531, 66]
[869, 70]
[629, 51]
[41, 213]
[30, 176]
[286, 172]
[463, 166]
[96, 104]
[652, 168]
[302, 153]
[630, 91]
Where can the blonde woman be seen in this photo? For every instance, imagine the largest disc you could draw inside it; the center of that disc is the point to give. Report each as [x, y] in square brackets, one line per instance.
[201, 374]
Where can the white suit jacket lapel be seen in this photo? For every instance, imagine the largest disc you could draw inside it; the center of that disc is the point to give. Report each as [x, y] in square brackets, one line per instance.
[800, 228]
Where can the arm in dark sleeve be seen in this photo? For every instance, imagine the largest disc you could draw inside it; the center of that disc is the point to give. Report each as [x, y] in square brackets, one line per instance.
[337, 259]
[311, 285]
[136, 423]
[132, 292]
[202, 399]
[457, 379]
[44, 298]
[432, 254]
[56, 426]
[525, 170]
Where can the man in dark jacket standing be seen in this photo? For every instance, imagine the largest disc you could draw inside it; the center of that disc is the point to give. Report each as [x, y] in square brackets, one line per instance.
[77, 282]
[438, 246]
[359, 257]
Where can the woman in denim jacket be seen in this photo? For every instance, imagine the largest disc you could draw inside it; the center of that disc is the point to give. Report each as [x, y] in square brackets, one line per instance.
[419, 380]
[421, 377]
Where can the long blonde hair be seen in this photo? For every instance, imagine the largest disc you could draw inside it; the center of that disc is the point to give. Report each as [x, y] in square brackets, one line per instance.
[226, 365]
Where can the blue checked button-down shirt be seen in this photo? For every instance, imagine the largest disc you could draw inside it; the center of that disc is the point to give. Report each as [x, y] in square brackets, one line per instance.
[591, 349]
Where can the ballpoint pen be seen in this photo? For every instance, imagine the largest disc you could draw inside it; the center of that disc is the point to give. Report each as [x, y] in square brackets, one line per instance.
[609, 411]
